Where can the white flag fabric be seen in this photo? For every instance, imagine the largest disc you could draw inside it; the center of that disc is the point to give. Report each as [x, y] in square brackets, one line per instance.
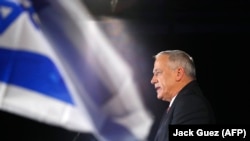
[72, 77]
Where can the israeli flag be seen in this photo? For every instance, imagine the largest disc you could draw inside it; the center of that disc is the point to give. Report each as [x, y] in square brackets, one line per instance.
[33, 82]
[58, 68]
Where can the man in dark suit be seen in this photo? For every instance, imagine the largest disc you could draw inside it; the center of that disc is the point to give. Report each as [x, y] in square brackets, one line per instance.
[174, 78]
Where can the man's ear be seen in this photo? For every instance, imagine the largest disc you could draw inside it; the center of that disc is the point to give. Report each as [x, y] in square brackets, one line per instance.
[179, 73]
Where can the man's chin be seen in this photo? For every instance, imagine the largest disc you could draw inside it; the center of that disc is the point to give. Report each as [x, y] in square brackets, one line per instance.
[159, 96]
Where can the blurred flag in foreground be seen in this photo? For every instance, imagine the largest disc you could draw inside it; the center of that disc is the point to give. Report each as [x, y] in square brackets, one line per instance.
[72, 77]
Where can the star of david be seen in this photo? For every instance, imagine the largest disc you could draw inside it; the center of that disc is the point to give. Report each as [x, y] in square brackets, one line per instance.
[9, 11]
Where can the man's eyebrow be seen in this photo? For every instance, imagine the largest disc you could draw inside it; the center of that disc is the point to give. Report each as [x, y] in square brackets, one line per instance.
[156, 70]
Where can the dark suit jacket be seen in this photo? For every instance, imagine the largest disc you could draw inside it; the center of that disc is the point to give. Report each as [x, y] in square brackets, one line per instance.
[189, 107]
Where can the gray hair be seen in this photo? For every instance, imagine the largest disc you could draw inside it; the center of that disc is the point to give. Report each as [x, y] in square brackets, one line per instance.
[179, 58]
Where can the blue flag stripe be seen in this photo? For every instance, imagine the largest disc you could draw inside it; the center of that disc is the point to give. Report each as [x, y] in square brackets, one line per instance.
[33, 71]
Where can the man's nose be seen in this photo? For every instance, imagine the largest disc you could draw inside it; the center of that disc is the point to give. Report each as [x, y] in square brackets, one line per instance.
[153, 80]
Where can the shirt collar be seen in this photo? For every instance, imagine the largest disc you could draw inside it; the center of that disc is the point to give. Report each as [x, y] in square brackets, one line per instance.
[172, 100]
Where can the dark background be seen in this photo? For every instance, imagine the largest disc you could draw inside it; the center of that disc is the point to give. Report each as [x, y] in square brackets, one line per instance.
[215, 33]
